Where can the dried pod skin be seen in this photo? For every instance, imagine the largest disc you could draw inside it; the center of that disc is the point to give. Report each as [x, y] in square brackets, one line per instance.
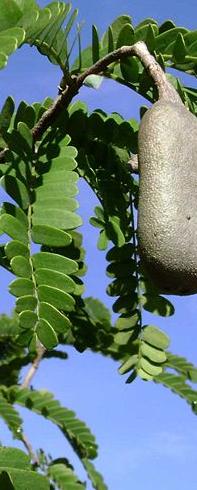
[167, 218]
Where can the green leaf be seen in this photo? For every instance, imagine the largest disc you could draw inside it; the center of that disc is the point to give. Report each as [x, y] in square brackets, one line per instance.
[190, 38]
[21, 266]
[56, 297]
[155, 355]
[125, 304]
[27, 302]
[132, 376]
[15, 211]
[48, 37]
[177, 385]
[48, 235]
[14, 248]
[27, 319]
[145, 22]
[43, 403]
[10, 13]
[16, 465]
[102, 240]
[26, 114]
[26, 134]
[41, 23]
[115, 233]
[126, 36]
[157, 305]
[166, 26]
[167, 38]
[66, 160]
[129, 364]
[55, 279]
[98, 210]
[95, 477]
[130, 69]
[192, 49]
[46, 334]
[54, 261]
[16, 189]
[61, 189]
[33, 343]
[59, 178]
[5, 481]
[179, 49]
[95, 44]
[122, 338]
[59, 322]
[116, 28]
[11, 417]
[55, 202]
[13, 227]
[93, 81]
[120, 288]
[110, 46]
[96, 222]
[144, 375]
[97, 311]
[7, 113]
[147, 33]
[56, 218]
[181, 365]
[64, 477]
[127, 323]
[21, 287]
[71, 22]
[155, 337]
[25, 338]
[8, 43]
[14, 458]
[120, 253]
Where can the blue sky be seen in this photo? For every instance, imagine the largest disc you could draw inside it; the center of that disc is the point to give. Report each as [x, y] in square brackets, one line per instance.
[147, 436]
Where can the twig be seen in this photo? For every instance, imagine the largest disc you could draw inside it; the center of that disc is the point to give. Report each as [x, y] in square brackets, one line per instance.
[59, 104]
[165, 89]
[35, 364]
[28, 446]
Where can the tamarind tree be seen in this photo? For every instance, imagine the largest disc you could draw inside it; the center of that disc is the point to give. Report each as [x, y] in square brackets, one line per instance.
[45, 148]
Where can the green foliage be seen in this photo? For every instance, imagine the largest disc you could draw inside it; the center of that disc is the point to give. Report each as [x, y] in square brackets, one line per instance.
[10, 416]
[43, 403]
[16, 472]
[64, 477]
[147, 362]
[42, 247]
[44, 28]
[175, 46]
[41, 192]
[95, 477]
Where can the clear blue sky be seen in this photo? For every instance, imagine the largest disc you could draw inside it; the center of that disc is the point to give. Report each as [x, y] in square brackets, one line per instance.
[147, 436]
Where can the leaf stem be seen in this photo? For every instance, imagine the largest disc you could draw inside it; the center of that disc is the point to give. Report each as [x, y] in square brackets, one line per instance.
[28, 446]
[35, 364]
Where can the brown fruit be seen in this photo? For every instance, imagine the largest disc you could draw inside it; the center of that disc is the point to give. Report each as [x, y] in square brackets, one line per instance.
[167, 219]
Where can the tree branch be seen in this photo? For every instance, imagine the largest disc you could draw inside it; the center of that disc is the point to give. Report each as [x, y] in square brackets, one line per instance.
[165, 89]
[35, 364]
